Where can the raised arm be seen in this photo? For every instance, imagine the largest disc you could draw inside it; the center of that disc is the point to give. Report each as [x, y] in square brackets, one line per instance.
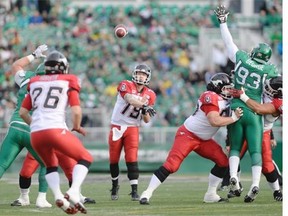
[18, 66]
[222, 16]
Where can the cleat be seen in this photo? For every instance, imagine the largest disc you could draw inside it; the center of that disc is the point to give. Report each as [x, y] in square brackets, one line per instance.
[144, 201]
[21, 202]
[278, 196]
[114, 192]
[144, 198]
[88, 200]
[65, 206]
[251, 195]
[134, 196]
[76, 202]
[232, 194]
[213, 198]
[43, 203]
[235, 189]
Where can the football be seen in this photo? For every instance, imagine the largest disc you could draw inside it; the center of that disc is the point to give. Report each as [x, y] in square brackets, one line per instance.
[120, 31]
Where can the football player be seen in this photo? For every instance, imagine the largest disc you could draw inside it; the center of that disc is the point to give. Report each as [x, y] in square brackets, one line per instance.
[212, 112]
[48, 96]
[30, 164]
[134, 103]
[250, 72]
[271, 109]
[18, 134]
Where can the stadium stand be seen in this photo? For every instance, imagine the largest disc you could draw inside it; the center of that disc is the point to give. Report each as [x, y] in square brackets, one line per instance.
[178, 39]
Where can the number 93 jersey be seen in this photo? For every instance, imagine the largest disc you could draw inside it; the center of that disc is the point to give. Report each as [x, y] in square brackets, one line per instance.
[251, 75]
[48, 98]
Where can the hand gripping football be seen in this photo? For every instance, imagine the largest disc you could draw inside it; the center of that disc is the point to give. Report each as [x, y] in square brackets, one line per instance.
[120, 31]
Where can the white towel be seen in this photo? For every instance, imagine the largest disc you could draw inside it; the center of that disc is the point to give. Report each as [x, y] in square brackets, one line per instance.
[117, 134]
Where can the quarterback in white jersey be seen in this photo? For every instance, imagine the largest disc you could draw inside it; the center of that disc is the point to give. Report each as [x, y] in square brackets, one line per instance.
[135, 101]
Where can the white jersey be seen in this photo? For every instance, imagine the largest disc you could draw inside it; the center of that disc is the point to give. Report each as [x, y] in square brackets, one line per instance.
[49, 100]
[124, 114]
[198, 123]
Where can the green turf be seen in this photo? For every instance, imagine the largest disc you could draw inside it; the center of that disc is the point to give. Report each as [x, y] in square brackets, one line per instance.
[178, 195]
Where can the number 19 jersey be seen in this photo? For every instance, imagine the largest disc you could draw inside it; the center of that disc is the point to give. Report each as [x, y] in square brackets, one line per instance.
[124, 114]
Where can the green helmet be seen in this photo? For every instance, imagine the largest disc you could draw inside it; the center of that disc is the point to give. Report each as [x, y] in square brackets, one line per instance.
[262, 53]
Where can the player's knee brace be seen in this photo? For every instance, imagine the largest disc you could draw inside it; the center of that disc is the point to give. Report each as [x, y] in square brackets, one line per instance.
[114, 170]
[84, 163]
[51, 169]
[219, 171]
[133, 171]
[24, 182]
[162, 173]
[272, 176]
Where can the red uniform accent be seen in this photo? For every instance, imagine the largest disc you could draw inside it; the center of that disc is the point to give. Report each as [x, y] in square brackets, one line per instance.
[267, 161]
[130, 142]
[49, 95]
[196, 134]
[60, 140]
[30, 165]
[126, 116]
[186, 142]
[277, 102]
[267, 156]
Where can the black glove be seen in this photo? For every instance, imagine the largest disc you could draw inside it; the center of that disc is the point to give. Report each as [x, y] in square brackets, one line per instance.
[148, 109]
[221, 14]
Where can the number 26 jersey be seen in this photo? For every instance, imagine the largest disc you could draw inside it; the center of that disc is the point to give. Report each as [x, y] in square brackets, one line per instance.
[48, 98]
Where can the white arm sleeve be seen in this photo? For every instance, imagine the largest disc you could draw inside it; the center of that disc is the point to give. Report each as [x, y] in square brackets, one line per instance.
[228, 41]
[19, 77]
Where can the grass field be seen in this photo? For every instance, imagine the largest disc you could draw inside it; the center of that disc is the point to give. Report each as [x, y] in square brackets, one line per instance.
[178, 195]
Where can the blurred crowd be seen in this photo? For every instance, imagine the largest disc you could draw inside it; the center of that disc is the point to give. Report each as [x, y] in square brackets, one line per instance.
[163, 36]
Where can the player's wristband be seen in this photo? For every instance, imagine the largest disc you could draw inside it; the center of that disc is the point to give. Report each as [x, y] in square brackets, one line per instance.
[244, 98]
[31, 57]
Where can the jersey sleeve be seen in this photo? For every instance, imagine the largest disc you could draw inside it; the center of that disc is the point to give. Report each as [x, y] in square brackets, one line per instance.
[124, 88]
[27, 102]
[152, 99]
[277, 103]
[209, 102]
[74, 83]
[73, 98]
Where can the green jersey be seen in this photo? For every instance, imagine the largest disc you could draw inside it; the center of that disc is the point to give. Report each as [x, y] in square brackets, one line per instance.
[21, 95]
[251, 75]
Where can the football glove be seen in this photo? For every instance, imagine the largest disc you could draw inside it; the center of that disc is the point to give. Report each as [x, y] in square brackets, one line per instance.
[148, 109]
[38, 53]
[236, 114]
[221, 14]
[236, 93]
